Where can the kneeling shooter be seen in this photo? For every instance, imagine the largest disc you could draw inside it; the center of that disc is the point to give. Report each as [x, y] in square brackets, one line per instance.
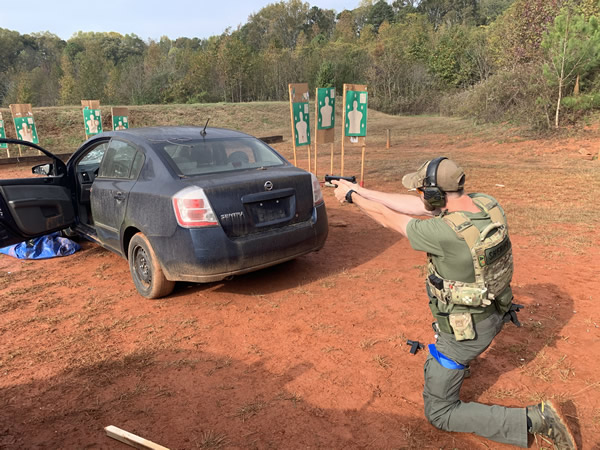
[470, 267]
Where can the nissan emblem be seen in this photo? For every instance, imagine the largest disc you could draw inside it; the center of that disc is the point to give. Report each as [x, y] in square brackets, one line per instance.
[268, 186]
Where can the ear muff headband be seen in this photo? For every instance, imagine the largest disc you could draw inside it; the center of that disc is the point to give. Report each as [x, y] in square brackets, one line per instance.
[432, 194]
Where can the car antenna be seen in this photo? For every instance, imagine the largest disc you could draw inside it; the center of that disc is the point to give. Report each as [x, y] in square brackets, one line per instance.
[203, 132]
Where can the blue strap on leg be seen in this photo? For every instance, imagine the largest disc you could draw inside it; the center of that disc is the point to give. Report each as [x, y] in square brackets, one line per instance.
[444, 360]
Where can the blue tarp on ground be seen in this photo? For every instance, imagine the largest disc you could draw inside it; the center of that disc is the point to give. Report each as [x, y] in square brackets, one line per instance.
[49, 246]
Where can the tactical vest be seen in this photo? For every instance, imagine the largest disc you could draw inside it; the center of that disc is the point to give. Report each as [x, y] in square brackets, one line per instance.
[492, 262]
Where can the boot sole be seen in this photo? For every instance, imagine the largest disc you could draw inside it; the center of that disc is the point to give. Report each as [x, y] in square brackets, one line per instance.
[563, 419]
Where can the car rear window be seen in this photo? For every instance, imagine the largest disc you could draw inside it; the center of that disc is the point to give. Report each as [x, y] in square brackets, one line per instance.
[220, 155]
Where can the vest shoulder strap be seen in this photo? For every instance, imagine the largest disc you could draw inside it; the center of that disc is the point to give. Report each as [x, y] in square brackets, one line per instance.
[463, 227]
[491, 207]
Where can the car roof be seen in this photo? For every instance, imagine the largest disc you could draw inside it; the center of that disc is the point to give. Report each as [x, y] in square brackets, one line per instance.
[173, 132]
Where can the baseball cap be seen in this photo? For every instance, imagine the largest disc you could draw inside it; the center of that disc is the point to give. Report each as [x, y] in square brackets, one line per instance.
[450, 177]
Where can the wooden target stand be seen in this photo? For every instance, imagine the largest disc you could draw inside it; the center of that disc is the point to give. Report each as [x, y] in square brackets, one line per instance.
[299, 94]
[23, 116]
[353, 141]
[323, 136]
[91, 105]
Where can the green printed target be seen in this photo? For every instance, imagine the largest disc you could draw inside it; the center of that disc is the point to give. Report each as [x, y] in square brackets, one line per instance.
[2, 134]
[326, 108]
[26, 131]
[301, 124]
[93, 121]
[356, 113]
[120, 123]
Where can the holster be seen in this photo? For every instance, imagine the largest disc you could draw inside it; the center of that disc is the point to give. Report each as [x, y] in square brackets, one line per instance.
[511, 314]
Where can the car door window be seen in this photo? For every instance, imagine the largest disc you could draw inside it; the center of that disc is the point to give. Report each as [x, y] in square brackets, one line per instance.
[138, 162]
[94, 156]
[119, 160]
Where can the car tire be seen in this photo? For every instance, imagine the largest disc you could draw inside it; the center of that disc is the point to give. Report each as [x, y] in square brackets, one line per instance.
[148, 276]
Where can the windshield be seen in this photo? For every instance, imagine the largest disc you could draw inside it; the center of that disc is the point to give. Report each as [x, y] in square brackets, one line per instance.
[195, 157]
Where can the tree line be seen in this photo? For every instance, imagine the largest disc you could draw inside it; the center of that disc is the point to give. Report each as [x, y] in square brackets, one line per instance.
[535, 62]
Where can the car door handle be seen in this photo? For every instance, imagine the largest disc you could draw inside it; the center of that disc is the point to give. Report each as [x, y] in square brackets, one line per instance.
[119, 196]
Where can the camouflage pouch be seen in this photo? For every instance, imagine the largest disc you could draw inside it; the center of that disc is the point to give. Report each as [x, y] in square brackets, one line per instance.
[462, 326]
[463, 294]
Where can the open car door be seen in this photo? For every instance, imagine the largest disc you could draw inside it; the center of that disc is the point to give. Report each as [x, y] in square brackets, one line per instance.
[35, 206]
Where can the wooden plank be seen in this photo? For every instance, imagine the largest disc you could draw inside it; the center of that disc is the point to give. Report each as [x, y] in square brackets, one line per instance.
[325, 136]
[92, 104]
[131, 439]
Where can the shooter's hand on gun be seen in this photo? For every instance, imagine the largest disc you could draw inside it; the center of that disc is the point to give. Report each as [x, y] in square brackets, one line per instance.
[332, 178]
[342, 189]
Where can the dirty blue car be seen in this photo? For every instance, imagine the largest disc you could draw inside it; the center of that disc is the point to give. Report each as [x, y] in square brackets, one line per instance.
[179, 203]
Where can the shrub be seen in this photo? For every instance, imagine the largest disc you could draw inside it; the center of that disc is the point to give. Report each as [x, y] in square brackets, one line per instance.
[519, 96]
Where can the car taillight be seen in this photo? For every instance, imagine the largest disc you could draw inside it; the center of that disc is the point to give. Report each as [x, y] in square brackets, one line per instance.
[316, 190]
[193, 209]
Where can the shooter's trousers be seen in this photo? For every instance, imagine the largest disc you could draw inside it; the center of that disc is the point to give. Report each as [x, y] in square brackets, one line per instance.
[443, 407]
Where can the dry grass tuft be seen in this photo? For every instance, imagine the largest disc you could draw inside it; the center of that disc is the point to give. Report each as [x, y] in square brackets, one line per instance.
[382, 361]
[212, 440]
[366, 344]
[250, 409]
[541, 367]
[505, 393]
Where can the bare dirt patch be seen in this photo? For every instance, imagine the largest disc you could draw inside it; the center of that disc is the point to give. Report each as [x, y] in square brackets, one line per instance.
[311, 353]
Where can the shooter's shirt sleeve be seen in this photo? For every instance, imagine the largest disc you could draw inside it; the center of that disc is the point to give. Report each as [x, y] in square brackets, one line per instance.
[424, 235]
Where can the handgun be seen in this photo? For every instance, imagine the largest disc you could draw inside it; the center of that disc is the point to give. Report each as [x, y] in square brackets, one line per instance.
[330, 178]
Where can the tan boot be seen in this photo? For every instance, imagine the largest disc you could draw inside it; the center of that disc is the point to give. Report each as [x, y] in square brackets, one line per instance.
[548, 421]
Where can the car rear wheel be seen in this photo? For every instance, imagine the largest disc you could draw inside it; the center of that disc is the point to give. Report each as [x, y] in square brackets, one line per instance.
[146, 272]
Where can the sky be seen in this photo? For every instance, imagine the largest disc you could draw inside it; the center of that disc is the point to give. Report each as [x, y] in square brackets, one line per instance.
[148, 19]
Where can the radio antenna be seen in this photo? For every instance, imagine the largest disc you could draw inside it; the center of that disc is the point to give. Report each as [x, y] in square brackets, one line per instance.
[203, 132]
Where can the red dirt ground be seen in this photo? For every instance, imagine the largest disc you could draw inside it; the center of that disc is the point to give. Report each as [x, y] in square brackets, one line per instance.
[311, 353]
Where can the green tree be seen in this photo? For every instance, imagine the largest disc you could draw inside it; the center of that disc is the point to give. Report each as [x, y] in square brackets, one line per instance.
[326, 75]
[378, 13]
[233, 62]
[516, 35]
[278, 23]
[572, 48]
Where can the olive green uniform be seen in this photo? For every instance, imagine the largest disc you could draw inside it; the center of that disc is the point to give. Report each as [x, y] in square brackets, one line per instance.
[452, 260]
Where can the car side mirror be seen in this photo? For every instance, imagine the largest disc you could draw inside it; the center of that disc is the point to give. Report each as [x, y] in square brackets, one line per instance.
[43, 169]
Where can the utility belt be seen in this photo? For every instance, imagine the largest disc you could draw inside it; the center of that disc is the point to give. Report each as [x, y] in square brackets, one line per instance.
[460, 324]
[459, 292]
[458, 305]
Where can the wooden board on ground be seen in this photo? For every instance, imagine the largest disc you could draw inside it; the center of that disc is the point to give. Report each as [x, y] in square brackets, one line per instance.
[131, 439]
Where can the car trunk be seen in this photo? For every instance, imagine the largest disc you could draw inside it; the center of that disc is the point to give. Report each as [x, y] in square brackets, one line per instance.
[244, 205]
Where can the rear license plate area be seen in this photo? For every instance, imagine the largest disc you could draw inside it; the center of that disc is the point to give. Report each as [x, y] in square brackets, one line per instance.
[270, 211]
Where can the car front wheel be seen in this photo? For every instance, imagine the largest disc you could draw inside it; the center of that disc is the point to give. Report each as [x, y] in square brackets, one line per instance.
[146, 272]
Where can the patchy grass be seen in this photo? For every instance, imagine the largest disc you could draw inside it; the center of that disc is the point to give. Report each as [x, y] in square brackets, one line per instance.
[543, 368]
[382, 360]
[250, 409]
[366, 344]
[505, 393]
[212, 440]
